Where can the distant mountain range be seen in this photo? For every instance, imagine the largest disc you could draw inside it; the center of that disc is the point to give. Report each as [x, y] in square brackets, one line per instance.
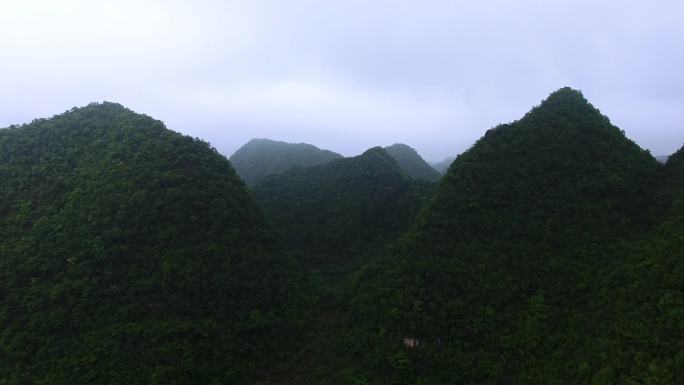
[261, 157]
[443, 165]
[134, 254]
[411, 162]
[344, 205]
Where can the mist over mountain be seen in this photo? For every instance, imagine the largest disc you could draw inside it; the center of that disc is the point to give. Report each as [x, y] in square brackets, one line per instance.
[443, 165]
[133, 254]
[662, 158]
[411, 162]
[261, 157]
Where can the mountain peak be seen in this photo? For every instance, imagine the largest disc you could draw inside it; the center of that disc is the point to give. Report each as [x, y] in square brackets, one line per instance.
[567, 92]
[102, 107]
[377, 156]
[527, 213]
[260, 157]
[566, 103]
[564, 96]
[375, 151]
[401, 146]
[410, 161]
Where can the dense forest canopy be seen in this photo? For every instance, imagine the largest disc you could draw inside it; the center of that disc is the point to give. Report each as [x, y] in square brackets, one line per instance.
[550, 252]
[412, 163]
[530, 265]
[344, 205]
[133, 254]
[261, 157]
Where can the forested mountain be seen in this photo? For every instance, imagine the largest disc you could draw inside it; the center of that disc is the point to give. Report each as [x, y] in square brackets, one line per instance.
[542, 258]
[131, 254]
[344, 205]
[551, 252]
[261, 157]
[412, 163]
[442, 166]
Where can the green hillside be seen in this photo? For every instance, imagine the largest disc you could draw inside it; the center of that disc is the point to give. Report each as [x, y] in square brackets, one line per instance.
[131, 254]
[345, 205]
[412, 163]
[261, 157]
[511, 273]
[551, 252]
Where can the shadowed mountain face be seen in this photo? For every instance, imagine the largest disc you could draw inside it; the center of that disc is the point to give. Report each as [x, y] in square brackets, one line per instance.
[675, 163]
[412, 163]
[344, 205]
[261, 157]
[674, 189]
[133, 254]
[518, 259]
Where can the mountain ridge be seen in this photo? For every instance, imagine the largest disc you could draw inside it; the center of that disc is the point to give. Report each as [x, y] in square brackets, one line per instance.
[411, 162]
[344, 204]
[500, 269]
[260, 157]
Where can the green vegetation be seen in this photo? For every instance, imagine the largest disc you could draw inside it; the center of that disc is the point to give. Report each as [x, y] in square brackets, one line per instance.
[261, 157]
[132, 254]
[344, 206]
[333, 216]
[551, 252]
[541, 259]
[412, 163]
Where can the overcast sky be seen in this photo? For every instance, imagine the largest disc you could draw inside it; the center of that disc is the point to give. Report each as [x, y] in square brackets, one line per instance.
[346, 75]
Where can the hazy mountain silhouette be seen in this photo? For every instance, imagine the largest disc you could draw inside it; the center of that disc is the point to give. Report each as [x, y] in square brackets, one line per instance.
[261, 157]
[343, 205]
[411, 162]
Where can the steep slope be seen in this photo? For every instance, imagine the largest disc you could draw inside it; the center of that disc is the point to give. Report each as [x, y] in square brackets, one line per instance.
[644, 294]
[344, 205]
[674, 168]
[411, 162]
[498, 280]
[443, 166]
[261, 157]
[133, 254]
